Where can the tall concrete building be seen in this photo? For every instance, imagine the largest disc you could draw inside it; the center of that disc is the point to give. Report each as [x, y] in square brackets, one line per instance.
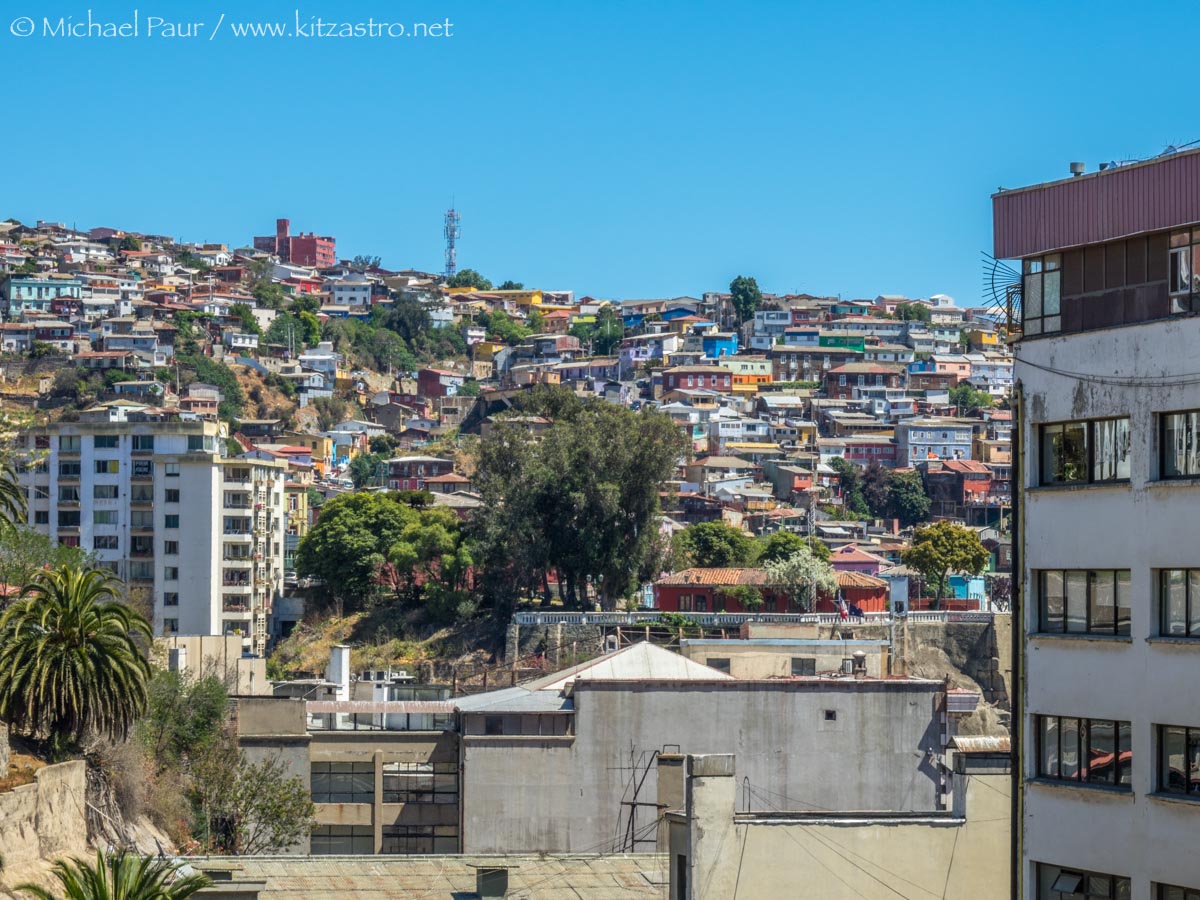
[148, 492]
[1108, 469]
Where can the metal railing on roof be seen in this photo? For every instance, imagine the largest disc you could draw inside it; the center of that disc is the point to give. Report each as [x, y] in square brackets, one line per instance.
[718, 619]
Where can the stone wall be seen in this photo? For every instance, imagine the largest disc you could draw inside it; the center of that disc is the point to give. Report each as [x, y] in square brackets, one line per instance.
[46, 819]
[4, 753]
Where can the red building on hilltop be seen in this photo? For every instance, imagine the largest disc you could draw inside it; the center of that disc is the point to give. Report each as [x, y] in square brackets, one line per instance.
[301, 250]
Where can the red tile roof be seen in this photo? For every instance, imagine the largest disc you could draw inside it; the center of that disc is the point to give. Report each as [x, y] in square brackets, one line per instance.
[859, 580]
[719, 577]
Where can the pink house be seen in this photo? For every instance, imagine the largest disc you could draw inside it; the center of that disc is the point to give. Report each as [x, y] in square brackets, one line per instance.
[851, 559]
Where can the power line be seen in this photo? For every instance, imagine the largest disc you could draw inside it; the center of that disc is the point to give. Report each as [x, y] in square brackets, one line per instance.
[1121, 380]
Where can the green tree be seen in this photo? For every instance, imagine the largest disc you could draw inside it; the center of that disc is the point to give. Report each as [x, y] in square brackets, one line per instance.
[802, 577]
[25, 552]
[501, 327]
[305, 303]
[850, 478]
[312, 327]
[12, 502]
[430, 563]
[330, 411]
[469, 278]
[383, 444]
[746, 297]
[511, 286]
[363, 263]
[603, 334]
[907, 499]
[70, 660]
[209, 371]
[184, 716]
[248, 808]
[782, 544]
[407, 316]
[968, 399]
[349, 544]
[245, 317]
[912, 312]
[942, 548]
[876, 488]
[365, 467]
[129, 242]
[715, 545]
[123, 875]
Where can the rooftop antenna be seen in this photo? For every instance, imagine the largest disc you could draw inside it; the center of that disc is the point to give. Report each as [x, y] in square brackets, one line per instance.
[453, 232]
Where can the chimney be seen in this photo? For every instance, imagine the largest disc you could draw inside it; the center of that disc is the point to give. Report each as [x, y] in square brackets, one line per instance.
[338, 671]
[1078, 168]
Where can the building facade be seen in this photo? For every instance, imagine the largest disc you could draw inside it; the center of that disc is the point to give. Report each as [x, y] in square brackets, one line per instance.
[1108, 474]
[201, 537]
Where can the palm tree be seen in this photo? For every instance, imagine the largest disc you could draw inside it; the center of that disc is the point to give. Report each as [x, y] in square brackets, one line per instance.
[121, 876]
[70, 663]
[12, 499]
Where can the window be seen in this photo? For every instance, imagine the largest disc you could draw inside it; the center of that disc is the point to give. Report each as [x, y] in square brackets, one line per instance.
[105, 542]
[342, 840]
[68, 470]
[1180, 453]
[343, 782]
[1179, 602]
[70, 443]
[804, 665]
[1170, 892]
[1041, 295]
[831, 715]
[171, 573]
[1179, 760]
[1054, 883]
[105, 441]
[1085, 452]
[420, 839]
[720, 663]
[1078, 601]
[143, 442]
[1184, 276]
[107, 467]
[171, 470]
[141, 518]
[41, 492]
[420, 782]
[171, 520]
[1091, 751]
[170, 548]
[170, 626]
[170, 598]
[104, 517]
[493, 725]
[104, 492]
[68, 494]
[172, 495]
[41, 517]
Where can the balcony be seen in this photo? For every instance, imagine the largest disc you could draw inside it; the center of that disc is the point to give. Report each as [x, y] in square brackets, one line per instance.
[237, 560]
[236, 583]
[232, 607]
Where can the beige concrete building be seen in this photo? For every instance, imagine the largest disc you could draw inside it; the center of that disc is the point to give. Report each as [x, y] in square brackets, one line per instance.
[720, 853]
[786, 657]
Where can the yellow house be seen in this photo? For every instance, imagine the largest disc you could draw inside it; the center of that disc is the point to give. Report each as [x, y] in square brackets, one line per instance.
[983, 339]
[321, 447]
[485, 351]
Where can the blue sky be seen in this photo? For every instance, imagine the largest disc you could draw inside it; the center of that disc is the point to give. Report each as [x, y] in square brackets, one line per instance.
[620, 149]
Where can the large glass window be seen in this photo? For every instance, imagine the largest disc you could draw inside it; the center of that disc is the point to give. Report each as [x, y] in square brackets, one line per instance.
[1171, 892]
[1179, 603]
[1179, 760]
[1085, 452]
[1091, 751]
[1180, 443]
[105, 441]
[1184, 276]
[1084, 601]
[343, 782]
[420, 782]
[420, 839]
[1056, 883]
[1042, 290]
[342, 840]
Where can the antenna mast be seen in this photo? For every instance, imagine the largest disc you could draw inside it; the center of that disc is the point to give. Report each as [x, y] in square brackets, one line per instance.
[453, 232]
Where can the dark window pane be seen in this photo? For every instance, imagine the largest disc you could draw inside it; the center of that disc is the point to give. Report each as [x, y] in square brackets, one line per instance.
[1123, 598]
[1193, 753]
[1053, 601]
[1124, 752]
[1064, 453]
[1180, 450]
[1172, 747]
[1174, 602]
[1102, 752]
[1102, 601]
[1076, 583]
[1048, 744]
[1194, 602]
[1069, 748]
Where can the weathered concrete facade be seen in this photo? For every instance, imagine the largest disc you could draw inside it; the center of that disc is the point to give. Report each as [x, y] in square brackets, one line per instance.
[822, 743]
[44, 819]
[719, 854]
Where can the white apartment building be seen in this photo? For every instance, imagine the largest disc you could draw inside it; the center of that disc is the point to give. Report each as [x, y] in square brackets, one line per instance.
[199, 535]
[1108, 566]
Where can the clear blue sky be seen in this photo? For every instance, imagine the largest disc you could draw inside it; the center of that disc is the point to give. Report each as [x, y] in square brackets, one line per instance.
[620, 149]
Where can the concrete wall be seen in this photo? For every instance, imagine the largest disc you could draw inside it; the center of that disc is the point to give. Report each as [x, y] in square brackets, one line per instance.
[758, 658]
[1143, 525]
[718, 855]
[45, 819]
[220, 656]
[565, 794]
